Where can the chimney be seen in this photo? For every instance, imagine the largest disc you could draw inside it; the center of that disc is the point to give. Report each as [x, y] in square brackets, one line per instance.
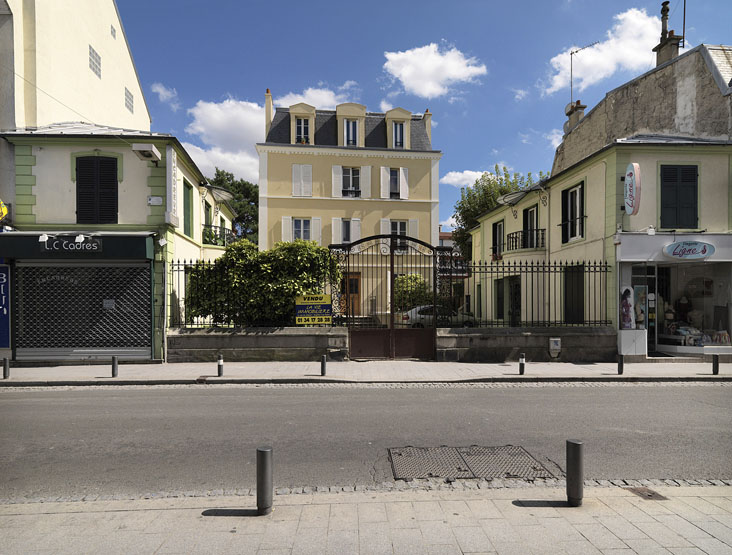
[427, 119]
[668, 48]
[575, 112]
[268, 114]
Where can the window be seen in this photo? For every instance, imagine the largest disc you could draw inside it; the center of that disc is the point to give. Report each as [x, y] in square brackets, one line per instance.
[394, 183]
[129, 101]
[301, 229]
[187, 209]
[573, 213]
[351, 185]
[529, 239]
[351, 132]
[399, 227]
[497, 239]
[96, 190]
[222, 223]
[679, 199]
[398, 134]
[113, 31]
[500, 298]
[346, 231]
[95, 62]
[302, 131]
[207, 213]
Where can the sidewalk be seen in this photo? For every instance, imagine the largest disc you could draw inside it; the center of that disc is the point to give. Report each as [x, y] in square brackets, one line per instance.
[510, 521]
[400, 371]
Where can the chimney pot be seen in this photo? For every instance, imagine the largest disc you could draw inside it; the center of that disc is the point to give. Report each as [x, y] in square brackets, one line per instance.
[267, 91]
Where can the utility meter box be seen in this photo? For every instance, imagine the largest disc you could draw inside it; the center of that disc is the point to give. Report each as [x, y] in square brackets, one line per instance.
[555, 346]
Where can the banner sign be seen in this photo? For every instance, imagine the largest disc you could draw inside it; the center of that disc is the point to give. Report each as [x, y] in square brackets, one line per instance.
[632, 189]
[688, 250]
[313, 309]
[4, 306]
[90, 245]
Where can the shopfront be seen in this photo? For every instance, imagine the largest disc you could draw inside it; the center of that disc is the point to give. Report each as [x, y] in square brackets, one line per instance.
[80, 296]
[675, 294]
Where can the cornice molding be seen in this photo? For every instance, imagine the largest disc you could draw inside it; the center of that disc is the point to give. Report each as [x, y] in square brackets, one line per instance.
[348, 152]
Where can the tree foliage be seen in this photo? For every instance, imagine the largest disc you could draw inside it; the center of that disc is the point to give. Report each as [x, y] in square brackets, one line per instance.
[411, 290]
[482, 197]
[245, 203]
[246, 287]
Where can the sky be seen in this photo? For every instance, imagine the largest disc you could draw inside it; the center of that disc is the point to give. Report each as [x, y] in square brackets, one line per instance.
[495, 75]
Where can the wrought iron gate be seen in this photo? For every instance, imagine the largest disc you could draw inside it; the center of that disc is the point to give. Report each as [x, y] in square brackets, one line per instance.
[388, 296]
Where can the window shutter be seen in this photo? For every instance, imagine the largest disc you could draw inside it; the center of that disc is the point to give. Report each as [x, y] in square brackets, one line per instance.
[565, 215]
[337, 181]
[581, 211]
[296, 180]
[345, 132]
[526, 220]
[385, 226]
[403, 183]
[107, 190]
[287, 228]
[86, 190]
[315, 230]
[413, 229]
[365, 181]
[384, 182]
[355, 229]
[336, 231]
[669, 194]
[687, 198]
[307, 180]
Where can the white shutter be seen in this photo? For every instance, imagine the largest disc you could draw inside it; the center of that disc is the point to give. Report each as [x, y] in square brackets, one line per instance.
[403, 183]
[337, 231]
[337, 181]
[385, 226]
[287, 228]
[413, 229]
[307, 180]
[345, 132]
[365, 181]
[384, 182]
[296, 180]
[315, 230]
[355, 229]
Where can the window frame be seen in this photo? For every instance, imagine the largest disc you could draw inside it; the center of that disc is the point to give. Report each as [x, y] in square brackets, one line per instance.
[351, 190]
[346, 230]
[394, 179]
[498, 247]
[302, 231]
[573, 228]
[351, 132]
[398, 137]
[302, 130]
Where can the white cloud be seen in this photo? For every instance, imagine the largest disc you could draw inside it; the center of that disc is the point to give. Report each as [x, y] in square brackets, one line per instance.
[322, 98]
[242, 164]
[450, 222]
[525, 138]
[166, 95]
[554, 137]
[385, 106]
[464, 178]
[429, 72]
[627, 48]
[519, 94]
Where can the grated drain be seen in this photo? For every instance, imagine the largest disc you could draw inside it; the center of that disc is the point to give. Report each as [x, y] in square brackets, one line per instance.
[507, 461]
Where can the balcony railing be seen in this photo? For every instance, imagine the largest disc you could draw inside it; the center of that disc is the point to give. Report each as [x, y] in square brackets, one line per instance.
[526, 239]
[216, 235]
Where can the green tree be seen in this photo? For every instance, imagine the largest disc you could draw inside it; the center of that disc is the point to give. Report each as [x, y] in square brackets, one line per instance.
[411, 290]
[482, 197]
[245, 203]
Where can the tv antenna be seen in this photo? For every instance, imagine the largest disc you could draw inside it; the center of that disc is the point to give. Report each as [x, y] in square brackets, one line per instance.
[571, 76]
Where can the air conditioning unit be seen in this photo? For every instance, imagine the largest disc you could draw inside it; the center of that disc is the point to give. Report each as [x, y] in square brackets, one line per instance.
[146, 152]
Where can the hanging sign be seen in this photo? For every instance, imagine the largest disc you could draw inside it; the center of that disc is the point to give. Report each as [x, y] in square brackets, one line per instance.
[313, 309]
[688, 250]
[4, 306]
[632, 189]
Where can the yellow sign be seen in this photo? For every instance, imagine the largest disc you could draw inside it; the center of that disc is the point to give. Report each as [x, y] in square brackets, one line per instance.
[313, 310]
[312, 299]
[3, 210]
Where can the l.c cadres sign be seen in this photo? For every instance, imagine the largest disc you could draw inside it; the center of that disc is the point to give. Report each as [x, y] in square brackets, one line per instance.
[632, 189]
[688, 250]
[70, 244]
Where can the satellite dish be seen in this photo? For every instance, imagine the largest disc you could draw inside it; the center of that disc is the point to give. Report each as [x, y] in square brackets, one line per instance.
[511, 198]
[565, 127]
[568, 108]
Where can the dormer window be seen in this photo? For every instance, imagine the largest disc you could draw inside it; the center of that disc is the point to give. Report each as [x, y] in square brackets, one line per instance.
[398, 134]
[302, 131]
[351, 132]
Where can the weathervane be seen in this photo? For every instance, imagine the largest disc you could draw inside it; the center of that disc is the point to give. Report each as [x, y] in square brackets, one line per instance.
[572, 53]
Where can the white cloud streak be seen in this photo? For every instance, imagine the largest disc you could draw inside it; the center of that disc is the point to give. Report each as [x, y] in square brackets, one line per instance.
[449, 222]
[554, 137]
[166, 95]
[519, 94]
[322, 98]
[465, 178]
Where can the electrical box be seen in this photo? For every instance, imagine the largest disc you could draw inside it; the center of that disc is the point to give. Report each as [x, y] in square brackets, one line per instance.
[555, 346]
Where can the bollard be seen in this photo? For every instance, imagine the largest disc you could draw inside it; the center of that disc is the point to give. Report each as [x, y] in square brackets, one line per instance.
[715, 364]
[575, 471]
[621, 363]
[114, 366]
[6, 368]
[264, 480]
[221, 365]
[322, 365]
[522, 363]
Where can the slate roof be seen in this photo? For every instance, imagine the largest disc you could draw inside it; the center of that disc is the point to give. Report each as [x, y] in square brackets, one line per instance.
[326, 130]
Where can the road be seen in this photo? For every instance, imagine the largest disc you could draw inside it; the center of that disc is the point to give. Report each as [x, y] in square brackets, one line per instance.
[138, 440]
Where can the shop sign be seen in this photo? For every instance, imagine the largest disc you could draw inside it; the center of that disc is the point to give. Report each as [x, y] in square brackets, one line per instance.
[632, 189]
[90, 245]
[688, 250]
[4, 306]
[313, 310]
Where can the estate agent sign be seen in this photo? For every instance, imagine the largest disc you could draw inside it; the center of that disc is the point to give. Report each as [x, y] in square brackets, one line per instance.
[688, 250]
[632, 189]
[313, 309]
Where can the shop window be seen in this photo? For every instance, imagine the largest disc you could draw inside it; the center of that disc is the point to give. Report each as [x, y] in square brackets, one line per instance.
[573, 213]
[96, 190]
[679, 199]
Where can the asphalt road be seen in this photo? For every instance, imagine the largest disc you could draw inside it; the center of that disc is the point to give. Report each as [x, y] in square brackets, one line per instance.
[145, 439]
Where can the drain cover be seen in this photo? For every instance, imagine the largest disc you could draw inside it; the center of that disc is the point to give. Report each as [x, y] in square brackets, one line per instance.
[508, 461]
[647, 493]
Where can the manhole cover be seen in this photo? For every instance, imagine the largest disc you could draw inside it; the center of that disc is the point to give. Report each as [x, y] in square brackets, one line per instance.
[508, 461]
[647, 493]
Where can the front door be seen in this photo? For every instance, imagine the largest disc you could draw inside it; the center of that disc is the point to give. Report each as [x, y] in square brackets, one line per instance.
[351, 289]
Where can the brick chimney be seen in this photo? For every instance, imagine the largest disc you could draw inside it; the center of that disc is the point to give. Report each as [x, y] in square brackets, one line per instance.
[427, 118]
[575, 112]
[668, 48]
[268, 113]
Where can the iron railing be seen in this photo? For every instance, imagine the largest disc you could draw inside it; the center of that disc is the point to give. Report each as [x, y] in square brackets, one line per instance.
[216, 235]
[525, 239]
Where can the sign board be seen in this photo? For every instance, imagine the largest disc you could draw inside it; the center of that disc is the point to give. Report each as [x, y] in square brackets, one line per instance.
[632, 189]
[90, 245]
[3, 210]
[313, 310]
[688, 250]
[4, 306]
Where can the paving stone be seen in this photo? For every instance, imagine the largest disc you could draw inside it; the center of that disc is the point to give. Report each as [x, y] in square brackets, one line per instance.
[622, 528]
[407, 541]
[311, 541]
[342, 542]
[662, 534]
[371, 512]
[599, 536]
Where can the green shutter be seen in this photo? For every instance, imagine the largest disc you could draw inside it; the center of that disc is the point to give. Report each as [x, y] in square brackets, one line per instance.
[188, 209]
[679, 199]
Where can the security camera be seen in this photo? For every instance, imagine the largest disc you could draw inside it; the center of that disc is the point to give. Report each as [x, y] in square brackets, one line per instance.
[146, 152]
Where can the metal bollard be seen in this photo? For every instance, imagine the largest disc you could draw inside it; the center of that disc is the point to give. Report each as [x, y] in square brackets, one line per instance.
[6, 368]
[715, 364]
[221, 365]
[322, 365]
[522, 363]
[575, 471]
[621, 363]
[114, 366]
[264, 480]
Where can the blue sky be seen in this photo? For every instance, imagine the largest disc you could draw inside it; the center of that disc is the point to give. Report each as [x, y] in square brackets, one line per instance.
[495, 75]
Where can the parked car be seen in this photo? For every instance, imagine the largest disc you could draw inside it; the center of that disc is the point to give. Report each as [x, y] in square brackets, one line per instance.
[422, 317]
